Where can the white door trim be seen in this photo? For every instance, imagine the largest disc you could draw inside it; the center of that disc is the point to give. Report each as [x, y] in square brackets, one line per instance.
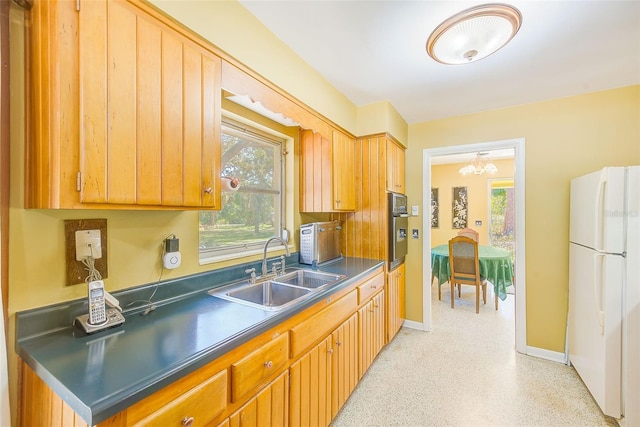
[521, 307]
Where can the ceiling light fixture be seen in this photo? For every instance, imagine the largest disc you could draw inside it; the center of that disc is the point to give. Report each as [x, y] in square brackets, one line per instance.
[479, 165]
[474, 33]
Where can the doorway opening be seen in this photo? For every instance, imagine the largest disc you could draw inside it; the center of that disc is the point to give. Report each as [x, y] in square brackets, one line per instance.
[517, 145]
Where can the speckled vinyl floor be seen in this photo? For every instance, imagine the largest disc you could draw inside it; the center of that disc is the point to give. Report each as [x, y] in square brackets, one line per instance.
[466, 372]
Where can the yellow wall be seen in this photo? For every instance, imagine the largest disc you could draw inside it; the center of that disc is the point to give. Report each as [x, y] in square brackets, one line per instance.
[445, 177]
[232, 28]
[381, 117]
[564, 138]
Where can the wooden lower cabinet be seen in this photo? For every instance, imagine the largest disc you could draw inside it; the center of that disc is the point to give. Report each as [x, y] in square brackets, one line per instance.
[259, 366]
[371, 331]
[196, 407]
[300, 373]
[322, 380]
[269, 408]
[310, 392]
[395, 301]
[344, 363]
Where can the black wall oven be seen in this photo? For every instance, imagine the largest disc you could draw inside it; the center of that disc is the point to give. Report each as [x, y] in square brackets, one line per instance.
[398, 227]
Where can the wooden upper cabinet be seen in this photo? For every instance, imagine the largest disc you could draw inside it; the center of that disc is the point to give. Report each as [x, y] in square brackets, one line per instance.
[344, 190]
[395, 167]
[141, 104]
[326, 172]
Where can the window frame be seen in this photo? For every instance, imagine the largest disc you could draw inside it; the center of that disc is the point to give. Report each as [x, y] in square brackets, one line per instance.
[264, 135]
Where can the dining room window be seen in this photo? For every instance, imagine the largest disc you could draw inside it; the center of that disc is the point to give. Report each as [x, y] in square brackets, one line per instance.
[253, 200]
[502, 215]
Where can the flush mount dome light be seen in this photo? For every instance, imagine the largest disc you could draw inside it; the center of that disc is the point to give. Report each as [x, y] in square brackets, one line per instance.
[474, 33]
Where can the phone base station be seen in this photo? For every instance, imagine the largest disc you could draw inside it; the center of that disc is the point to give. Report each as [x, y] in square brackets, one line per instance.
[114, 318]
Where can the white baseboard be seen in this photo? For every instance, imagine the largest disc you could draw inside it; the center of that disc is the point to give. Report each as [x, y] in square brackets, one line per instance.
[414, 325]
[554, 356]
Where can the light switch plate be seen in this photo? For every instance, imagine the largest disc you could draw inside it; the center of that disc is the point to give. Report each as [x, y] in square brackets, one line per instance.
[414, 210]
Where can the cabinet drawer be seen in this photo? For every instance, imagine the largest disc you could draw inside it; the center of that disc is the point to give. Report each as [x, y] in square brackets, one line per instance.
[259, 366]
[322, 323]
[203, 403]
[369, 288]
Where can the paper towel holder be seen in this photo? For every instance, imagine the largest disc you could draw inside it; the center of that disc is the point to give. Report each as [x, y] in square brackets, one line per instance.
[229, 184]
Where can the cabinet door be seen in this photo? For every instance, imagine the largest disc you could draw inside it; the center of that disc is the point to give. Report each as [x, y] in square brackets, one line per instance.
[395, 167]
[315, 172]
[371, 331]
[310, 387]
[150, 111]
[344, 196]
[269, 408]
[345, 363]
[395, 299]
[327, 172]
[378, 322]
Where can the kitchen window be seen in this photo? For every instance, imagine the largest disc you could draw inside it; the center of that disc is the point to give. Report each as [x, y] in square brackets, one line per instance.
[254, 211]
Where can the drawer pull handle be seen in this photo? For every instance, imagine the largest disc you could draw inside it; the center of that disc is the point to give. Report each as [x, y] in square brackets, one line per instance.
[268, 364]
[373, 286]
[208, 190]
[187, 421]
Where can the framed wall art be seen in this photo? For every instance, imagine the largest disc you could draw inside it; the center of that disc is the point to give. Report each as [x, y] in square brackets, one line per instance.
[459, 207]
[435, 208]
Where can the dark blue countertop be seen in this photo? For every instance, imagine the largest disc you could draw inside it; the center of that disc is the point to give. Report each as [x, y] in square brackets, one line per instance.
[101, 374]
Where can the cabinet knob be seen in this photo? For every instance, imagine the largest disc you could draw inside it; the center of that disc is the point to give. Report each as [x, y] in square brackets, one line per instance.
[208, 190]
[187, 421]
[268, 364]
[338, 342]
[330, 351]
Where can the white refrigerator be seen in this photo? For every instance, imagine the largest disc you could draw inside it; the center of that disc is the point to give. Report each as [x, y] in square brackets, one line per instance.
[604, 288]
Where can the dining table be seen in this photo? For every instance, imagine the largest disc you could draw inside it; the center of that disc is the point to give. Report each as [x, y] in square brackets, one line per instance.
[496, 267]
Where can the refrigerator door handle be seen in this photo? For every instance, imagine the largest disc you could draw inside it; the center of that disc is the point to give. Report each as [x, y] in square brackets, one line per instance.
[600, 202]
[597, 288]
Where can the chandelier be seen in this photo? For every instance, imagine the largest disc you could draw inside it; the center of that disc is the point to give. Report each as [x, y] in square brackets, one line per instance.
[479, 165]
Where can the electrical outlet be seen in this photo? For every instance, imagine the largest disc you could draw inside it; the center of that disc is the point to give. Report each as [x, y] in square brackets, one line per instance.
[88, 244]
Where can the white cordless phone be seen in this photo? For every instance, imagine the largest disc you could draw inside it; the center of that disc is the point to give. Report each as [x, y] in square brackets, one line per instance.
[100, 317]
[97, 311]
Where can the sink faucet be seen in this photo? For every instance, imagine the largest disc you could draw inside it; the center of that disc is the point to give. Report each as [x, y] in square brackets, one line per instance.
[264, 257]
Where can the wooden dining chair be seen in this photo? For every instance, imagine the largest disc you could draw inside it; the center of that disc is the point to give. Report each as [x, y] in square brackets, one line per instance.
[470, 232]
[465, 268]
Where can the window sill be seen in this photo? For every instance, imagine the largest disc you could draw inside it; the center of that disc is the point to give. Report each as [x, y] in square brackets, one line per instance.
[245, 254]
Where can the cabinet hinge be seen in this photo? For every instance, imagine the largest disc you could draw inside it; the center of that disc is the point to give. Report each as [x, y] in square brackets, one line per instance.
[78, 180]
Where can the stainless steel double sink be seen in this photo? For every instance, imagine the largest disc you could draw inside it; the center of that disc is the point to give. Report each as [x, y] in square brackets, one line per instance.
[277, 292]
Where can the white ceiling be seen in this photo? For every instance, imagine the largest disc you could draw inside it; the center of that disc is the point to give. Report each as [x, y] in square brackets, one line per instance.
[374, 50]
